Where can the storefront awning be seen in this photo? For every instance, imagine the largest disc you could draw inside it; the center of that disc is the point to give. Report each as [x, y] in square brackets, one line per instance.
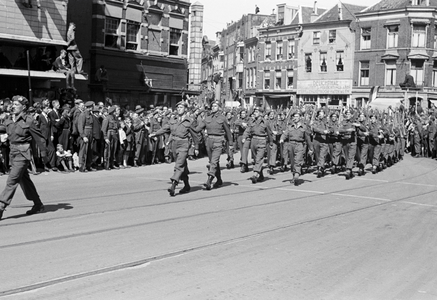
[37, 74]
[384, 103]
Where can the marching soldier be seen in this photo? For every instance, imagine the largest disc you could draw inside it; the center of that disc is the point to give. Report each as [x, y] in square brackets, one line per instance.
[297, 135]
[348, 131]
[334, 143]
[259, 130]
[362, 143]
[218, 130]
[240, 126]
[21, 130]
[320, 142]
[179, 126]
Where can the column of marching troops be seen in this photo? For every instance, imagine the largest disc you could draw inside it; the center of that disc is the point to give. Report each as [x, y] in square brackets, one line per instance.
[295, 138]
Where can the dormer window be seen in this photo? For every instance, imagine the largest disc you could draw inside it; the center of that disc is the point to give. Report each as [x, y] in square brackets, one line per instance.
[417, 2]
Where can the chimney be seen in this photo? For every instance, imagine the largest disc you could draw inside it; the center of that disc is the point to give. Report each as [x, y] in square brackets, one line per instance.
[314, 15]
[340, 11]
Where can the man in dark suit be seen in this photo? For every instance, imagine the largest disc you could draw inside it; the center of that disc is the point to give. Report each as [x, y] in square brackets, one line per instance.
[45, 127]
[97, 137]
[55, 117]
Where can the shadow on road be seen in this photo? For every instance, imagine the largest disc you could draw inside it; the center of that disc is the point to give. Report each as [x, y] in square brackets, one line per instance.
[47, 208]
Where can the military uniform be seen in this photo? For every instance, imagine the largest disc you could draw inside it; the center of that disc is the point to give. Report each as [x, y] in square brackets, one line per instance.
[21, 132]
[111, 137]
[240, 126]
[320, 144]
[218, 131]
[349, 142]
[85, 123]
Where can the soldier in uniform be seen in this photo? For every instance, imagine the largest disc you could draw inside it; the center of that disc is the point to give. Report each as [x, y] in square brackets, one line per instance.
[297, 135]
[85, 123]
[320, 142]
[362, 143]
[218, 131]
[375, 138]
[240, 126]
[21, 130]
[111, 137]
[348, 131]
[229, 150]
[334, 143]
[179, 126]
[259, 130]
[138, 132]
[275, 125]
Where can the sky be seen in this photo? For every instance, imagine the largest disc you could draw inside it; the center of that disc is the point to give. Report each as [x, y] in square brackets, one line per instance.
[219, 12]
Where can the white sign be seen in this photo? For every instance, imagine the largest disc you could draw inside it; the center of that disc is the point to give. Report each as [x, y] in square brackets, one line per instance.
[324, 87]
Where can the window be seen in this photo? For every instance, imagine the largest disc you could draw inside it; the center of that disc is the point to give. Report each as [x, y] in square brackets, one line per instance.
[390, 72]
[111, 33]
[339, 58]
[336, 99]
[241, 58]
[253, 78]
[268, 51]
[332, 36]
[290, 49]
[248, 78]
[279, 50]
[392, 36]
[365, 38]
[240, 80]
[316, 37]
[419, 35]
[266, 80]
[416, 2]
[323, 65]
[132, 36]
[278, 85]
[434, 74]
[175, 39]
[290, 75]
[308, 62]
[364, 72]
[249, 54]
[417, 71]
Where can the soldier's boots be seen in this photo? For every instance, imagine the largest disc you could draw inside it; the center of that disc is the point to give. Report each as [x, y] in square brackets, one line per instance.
[244, 168]
[320, 172]
[186, 187]
[230, 165]
[361, 172]
[271, 171]
[283, 168]
[349, 174]
[36, 208]
[261, 176]
[209, 182]
[218, 183]
[374, 169]
[254, 178]
[295, 179]
[172, 188]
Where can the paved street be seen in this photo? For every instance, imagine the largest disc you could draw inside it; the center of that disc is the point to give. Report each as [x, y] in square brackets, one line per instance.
[118, 235]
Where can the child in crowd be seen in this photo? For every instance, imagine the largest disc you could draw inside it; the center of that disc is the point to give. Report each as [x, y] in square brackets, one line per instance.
[64, 158]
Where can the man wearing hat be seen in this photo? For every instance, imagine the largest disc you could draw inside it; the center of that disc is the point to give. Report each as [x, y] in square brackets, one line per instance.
[97, 136]
[240, 126]
[21, 130]
[75, 112]
[218, 130]
[297, 135]
[259, 130]
[110, 136]
[320, 142]
[334, 142]
[85, 124]
[348, 131]
[179, 126]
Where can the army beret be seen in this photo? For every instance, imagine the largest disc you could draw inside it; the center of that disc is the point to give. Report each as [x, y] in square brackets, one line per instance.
[21, 99]
[182, 103]
[89, 103]
[111, 109]
[78, 101]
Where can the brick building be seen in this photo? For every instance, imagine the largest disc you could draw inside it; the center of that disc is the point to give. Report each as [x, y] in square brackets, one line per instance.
[395, 37]
[142, 44]
[37, 32]
[326, 57]
[277, 67]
